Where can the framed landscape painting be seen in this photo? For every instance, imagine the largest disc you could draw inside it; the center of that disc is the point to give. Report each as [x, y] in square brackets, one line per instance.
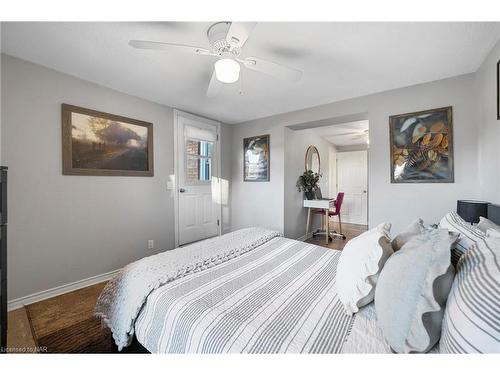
[101, 144]
[422, 146]
[256, 158]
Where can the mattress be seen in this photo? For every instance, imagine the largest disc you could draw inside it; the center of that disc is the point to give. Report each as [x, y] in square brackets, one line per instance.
[278, 298]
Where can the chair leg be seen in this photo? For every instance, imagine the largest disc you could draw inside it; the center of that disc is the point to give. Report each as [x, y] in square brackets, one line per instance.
[340, 227]
[327, 226]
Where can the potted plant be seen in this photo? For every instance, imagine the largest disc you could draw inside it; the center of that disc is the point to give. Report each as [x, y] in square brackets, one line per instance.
[308, 183]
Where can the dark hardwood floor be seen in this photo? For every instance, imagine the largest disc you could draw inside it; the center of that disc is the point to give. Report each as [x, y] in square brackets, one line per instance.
[350, 231]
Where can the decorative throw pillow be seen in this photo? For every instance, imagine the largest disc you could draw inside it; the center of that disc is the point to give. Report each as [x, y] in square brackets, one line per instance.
[359, 266]
[415, 228]
[485, 224]
[412, 290]
[469, 234]
[471, 322]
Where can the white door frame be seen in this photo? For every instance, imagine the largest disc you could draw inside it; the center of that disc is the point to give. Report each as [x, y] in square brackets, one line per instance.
[178, 113]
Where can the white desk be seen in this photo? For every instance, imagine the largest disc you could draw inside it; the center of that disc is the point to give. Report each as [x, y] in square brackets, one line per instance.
[323, 204]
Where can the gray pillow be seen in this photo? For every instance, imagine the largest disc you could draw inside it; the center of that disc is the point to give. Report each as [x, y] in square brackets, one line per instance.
[414, 229]
[412, 289]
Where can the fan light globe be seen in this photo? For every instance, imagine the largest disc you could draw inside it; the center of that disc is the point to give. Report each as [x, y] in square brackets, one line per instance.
[227, 70]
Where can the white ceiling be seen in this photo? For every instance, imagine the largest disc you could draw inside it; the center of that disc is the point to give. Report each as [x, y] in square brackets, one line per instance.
[339, 60]
[348, 134]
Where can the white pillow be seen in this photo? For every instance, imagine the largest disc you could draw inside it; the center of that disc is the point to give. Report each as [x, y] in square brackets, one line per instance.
[485, 224]
[471, 322]
[412, 289]
[414, 229]
[359, 266]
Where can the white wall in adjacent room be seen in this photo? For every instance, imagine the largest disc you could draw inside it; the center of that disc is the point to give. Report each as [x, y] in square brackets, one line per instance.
[296, 144]
[332, 164]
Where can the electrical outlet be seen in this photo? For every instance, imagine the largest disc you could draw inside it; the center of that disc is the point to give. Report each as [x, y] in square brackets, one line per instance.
[151, 244]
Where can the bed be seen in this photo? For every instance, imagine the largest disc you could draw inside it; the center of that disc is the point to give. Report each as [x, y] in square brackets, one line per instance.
[278, 298]
[269, 295]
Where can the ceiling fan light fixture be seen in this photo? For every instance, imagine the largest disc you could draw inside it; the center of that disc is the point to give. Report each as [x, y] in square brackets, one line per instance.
[227, 70]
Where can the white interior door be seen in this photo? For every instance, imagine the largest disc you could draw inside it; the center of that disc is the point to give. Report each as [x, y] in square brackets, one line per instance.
[197, 169]
[352, 179]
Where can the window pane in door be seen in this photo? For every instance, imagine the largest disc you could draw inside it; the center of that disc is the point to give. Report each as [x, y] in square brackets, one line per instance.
[206, 148]
[198, 169]
[199, 148]
[205, 169]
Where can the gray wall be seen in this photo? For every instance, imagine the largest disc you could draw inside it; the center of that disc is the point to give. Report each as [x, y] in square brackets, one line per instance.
[66, 228]
[489, 128]
[395, 203]
[257, 203]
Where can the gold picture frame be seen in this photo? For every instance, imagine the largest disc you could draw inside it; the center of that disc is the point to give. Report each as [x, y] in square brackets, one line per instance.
[96, 143]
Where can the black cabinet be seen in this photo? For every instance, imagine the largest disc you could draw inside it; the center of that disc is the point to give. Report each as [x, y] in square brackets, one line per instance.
[3, 259]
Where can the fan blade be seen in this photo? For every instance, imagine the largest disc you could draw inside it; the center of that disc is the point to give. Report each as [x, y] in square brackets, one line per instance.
[238, 33]
[272, 69]
[214, 86]
[160, 46]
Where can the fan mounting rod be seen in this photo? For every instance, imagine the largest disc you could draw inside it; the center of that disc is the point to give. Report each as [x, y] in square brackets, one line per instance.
[217, 34]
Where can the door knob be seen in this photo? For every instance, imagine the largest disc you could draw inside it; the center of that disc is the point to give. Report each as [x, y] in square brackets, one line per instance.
[364, 191]
[182, 190]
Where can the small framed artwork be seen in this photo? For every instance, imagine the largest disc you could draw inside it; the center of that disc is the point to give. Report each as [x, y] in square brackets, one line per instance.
[498, 90]
[422, 146]
[101, 144]
[256, 158]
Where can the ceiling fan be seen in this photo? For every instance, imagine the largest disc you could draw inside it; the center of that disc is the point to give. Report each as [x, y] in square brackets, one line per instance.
[226, 42]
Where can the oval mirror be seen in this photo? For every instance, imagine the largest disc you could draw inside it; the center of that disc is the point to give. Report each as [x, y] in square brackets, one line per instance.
[312, 159]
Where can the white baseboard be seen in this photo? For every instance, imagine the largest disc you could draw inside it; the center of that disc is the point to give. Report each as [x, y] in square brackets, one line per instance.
[53, 292]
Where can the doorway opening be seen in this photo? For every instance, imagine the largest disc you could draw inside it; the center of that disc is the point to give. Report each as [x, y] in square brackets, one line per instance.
[343, 151]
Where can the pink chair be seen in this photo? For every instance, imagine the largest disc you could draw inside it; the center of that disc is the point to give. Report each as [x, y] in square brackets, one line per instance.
[337, 206]
[336, 212]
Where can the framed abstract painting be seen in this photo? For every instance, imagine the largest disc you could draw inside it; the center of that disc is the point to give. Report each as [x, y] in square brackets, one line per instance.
[101, 144]
[256, 158]
[422, 146]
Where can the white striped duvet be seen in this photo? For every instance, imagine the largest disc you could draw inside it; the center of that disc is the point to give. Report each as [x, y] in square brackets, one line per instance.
[278, 298]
